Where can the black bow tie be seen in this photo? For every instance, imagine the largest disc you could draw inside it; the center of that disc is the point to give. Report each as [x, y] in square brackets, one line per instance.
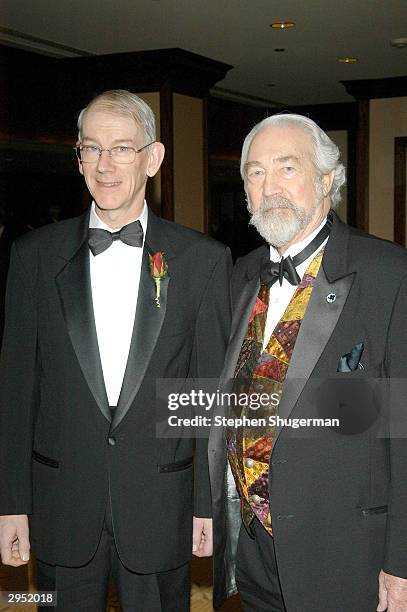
[99, 239]
[272, 271]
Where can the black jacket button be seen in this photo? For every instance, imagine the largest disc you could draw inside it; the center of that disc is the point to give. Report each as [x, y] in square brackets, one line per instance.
[111, 441]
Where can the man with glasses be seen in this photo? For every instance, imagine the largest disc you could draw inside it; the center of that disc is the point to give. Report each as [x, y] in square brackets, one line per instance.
[99, 308]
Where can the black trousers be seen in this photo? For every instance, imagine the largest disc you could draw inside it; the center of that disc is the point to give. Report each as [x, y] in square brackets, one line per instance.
[84, 589]
[256, 571]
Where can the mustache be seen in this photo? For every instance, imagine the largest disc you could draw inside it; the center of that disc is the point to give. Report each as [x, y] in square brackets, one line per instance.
[275, 202]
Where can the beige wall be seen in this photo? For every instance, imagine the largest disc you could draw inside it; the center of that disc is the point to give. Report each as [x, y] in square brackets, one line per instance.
[153, 194]
[388, 120]
[188, 161]
[340, 138]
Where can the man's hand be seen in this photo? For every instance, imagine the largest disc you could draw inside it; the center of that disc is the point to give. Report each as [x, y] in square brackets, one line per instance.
[202, 544]
[14, 540]
[392, 593]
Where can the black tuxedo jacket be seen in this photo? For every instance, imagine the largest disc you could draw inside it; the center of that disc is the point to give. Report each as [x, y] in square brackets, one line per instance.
[10, 233]
[338, 495]
[61, 454]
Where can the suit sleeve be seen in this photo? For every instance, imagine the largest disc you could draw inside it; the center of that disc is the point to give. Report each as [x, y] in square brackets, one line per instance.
[208, 354]
[396, 361]
[17, 389]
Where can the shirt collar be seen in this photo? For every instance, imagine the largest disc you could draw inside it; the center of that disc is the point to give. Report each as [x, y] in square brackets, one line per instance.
[297, 247]
[96, 221]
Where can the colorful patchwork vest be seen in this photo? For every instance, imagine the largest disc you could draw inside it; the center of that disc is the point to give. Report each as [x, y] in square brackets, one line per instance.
[263, 372]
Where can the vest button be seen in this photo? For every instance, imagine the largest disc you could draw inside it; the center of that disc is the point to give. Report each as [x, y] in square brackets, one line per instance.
[249, 463]
[111, 441]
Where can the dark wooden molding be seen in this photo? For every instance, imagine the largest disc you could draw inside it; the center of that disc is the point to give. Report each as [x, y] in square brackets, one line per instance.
[41, 96]
[167, 138]
[368, 89]
[337, 116]
[362, 166]
[187, 73]
[400, 189]
[230, 122]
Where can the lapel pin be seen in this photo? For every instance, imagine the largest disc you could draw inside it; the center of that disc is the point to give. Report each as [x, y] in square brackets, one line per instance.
[331, 297]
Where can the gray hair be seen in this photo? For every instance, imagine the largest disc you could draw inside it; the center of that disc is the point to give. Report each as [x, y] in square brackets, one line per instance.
[123, 102]
[325, 155]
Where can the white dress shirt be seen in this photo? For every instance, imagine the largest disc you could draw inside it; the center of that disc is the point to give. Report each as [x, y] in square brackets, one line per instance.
[115, 278]
[280, 296]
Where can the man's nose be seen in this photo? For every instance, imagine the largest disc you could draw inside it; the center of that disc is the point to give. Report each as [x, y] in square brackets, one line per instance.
[272, 185]
[105, 162]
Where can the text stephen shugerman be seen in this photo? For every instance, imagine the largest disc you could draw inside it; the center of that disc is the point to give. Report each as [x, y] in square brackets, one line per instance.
[207, 401]
[244, 421]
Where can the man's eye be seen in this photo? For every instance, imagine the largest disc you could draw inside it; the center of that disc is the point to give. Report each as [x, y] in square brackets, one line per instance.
[122, 149]
[90, 148]
[256, 172]
[289, 170]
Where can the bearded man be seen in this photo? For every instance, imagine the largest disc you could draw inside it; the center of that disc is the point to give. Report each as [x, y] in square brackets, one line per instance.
[318, 316]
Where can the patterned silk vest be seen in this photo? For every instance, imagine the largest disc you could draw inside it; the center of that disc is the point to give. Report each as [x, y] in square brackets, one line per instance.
[263, 372]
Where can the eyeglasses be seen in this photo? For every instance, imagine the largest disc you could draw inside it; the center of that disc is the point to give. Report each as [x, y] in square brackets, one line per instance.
[90, 154]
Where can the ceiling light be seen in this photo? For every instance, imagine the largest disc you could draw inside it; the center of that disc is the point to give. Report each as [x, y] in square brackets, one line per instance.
[347, 60]
[400, 43]
[282, 25]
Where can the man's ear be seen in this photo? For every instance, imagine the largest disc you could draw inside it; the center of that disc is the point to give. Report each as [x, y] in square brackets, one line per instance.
[327, 181]
[156, 156]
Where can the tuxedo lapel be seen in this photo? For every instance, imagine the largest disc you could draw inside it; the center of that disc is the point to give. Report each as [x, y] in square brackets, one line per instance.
[148, 319]
[335, 279]
[317, 326]
[74, 288]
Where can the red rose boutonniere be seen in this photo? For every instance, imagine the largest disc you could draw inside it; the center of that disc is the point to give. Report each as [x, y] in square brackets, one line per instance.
[158, 270]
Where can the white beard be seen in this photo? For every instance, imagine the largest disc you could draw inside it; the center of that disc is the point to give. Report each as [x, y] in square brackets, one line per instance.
[280, 227]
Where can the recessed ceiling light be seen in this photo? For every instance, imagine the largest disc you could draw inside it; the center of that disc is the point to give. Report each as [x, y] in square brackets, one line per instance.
[282, 25]
[347, 60]
[399, 43]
